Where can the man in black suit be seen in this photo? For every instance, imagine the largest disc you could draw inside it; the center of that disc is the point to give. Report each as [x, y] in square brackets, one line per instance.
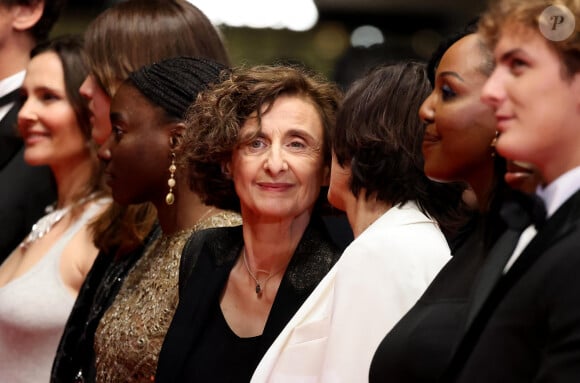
[25, 191]
[524, 323]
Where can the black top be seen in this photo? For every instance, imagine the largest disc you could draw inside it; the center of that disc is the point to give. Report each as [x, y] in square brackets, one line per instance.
[218, 346]
[212, 254]
[420, 346]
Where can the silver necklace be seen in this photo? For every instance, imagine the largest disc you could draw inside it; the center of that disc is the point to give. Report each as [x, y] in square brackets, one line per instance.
[259, 284]
[46, 223]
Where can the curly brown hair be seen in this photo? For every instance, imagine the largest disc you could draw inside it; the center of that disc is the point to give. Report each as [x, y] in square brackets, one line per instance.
[215, 119]
[526, 14]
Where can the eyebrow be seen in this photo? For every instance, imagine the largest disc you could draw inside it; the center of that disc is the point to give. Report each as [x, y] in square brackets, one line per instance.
[45, 88]
[290, 133]
[301, 133]
[452, 74]
[509, 54]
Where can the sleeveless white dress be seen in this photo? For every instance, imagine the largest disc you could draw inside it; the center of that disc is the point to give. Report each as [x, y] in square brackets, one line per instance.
[33, 311]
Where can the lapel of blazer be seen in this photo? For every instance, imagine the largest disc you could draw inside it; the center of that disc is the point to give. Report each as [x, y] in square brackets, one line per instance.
[10, 141]
[314, 256]
[217, 255]
[562, 223]
[491, 272]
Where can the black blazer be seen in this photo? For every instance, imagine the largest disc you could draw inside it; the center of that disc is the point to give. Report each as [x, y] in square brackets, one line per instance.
[215, 254]
[25, 191]
[528, 329]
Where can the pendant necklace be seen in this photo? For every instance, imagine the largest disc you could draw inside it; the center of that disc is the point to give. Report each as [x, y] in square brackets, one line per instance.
[259, 288]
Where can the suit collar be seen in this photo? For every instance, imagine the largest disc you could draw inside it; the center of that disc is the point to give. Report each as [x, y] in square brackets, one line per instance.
[561, 223]
[560, 190]
[10, 141]
[405, 214]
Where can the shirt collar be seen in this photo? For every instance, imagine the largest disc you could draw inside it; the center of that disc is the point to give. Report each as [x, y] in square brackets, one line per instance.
[559, 190]
[8, 84]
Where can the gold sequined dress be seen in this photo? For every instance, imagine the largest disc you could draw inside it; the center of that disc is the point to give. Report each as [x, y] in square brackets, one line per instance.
[130, 334]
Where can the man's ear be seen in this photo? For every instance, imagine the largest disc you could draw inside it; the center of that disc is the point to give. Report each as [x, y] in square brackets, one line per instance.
[26, 16]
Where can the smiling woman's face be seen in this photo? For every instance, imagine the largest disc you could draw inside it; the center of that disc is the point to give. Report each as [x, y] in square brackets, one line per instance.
[47, 120]
[279, 172]
[460, 128]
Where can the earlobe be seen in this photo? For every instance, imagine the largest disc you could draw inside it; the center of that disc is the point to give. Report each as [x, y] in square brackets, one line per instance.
[26, 16]
[176, 135]
[226, 171]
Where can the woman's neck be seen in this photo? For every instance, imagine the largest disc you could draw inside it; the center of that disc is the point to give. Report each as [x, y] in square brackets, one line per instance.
[362, 212]
[269, 244]
[185, 213]
[71, 179]
[481, 182]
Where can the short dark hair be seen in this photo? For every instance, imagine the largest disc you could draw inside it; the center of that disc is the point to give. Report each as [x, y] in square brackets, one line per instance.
[50, 14]
[379, 134]
[215, 119]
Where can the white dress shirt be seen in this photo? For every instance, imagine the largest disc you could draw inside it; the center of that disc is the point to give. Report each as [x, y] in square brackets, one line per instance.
[554, 195]
[7, 85]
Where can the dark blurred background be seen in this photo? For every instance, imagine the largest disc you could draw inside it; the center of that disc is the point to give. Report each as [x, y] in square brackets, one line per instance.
[347, 37]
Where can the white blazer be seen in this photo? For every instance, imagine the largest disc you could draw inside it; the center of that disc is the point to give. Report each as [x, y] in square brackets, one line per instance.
[380, 276]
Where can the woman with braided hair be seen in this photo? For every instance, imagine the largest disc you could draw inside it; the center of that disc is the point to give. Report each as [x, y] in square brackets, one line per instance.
[119, 41]
[147, 114]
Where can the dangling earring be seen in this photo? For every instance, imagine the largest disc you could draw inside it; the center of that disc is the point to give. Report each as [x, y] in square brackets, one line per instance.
[170, 197]
[494, 143]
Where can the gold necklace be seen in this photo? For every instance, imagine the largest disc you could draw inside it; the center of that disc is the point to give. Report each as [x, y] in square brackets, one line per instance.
[259, 284]
[200, 220]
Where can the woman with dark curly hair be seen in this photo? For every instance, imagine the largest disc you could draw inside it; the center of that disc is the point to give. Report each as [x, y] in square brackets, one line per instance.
[260, 146]
[395, 212]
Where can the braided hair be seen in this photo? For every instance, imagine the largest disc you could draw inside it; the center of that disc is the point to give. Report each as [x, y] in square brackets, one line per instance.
[173, 84]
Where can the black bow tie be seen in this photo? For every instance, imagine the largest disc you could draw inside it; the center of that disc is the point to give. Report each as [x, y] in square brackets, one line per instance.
[521, 210]
[10, 97]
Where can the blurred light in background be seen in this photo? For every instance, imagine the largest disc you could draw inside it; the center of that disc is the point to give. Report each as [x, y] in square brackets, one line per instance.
[365, 36]
[296, 15]
[425, 41]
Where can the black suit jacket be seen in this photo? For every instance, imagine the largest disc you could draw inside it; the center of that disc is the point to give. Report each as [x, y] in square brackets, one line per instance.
[25, 191]
[528, 329]
[214, 256]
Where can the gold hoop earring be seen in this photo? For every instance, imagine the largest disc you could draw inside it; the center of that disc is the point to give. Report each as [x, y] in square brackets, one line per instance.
[170, 197]
[494, 143]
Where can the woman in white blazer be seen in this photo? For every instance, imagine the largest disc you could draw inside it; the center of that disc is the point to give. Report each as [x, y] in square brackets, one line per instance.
[397, 216]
